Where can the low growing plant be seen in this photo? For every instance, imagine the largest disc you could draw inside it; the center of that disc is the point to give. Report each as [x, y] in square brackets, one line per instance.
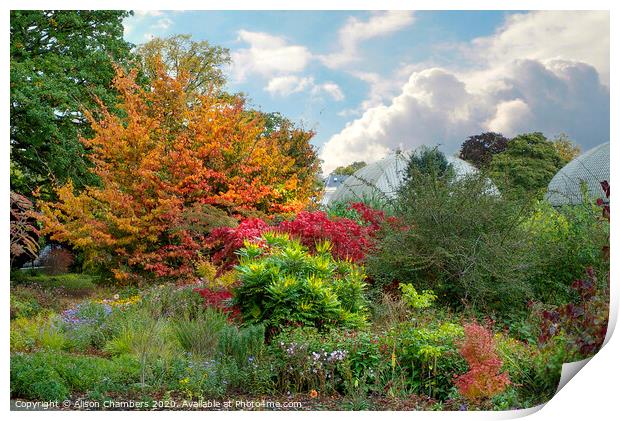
[283, 284]
[484, 379]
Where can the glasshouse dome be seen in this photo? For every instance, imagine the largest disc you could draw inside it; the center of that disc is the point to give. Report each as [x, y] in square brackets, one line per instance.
[384, 177]
[590, 168]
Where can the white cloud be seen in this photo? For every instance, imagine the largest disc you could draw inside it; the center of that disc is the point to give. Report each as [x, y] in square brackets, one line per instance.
[163, 23]
[287, 85]
[436, 107]
[507, 115]
[331, 89]
[355, 31]
[142, 13]
[267, 55]
[290, 84]
[381, 88]
[566, 35]
[150, 22]
[554, 89]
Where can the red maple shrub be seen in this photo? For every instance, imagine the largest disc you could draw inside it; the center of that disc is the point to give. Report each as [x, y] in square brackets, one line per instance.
[483, 380]
[349, 239]
[373, 218]
[226, 241]
[219, 299]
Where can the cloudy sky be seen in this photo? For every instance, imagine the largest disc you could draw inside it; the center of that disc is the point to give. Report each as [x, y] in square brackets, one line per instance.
[371, 82]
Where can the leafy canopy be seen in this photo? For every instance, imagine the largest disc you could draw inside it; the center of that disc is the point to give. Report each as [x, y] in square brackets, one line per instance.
[565, 147]
[479, 149]
[428, 162]
[60, 61]
[526, 166]
[162, 163]
[201, 61]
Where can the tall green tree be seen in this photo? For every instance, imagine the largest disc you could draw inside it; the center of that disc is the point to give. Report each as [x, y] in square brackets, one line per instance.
[61, 61]
[526, 166]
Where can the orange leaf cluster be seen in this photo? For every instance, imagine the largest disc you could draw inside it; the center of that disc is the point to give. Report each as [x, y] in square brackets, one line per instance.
[166, 155]
[483, 380]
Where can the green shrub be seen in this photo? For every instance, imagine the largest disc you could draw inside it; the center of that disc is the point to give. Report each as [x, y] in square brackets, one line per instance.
[24, 306]
[37, 381]
[427, 357]
[53, 375]
[458, 239]
[564, 243]
[416, 300]
[283, 284]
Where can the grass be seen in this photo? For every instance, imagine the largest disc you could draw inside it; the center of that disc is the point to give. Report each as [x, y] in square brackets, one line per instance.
[69, 281]
[32, 292]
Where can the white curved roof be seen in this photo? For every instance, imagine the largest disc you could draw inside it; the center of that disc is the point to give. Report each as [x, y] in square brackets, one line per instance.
[384, 177]
[590, 168]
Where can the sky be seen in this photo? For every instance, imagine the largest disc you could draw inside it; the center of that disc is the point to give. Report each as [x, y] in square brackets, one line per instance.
[370, 82]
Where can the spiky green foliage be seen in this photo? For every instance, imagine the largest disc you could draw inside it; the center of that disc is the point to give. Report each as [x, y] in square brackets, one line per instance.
[283, 284]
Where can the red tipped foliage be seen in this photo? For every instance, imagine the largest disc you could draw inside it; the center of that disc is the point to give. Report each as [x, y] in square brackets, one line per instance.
[483, 380]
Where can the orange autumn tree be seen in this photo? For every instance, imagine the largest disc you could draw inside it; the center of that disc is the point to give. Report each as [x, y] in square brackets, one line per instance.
[170, 170]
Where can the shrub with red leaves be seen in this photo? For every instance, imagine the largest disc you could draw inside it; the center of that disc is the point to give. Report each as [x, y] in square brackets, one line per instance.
[220, 299]
[228, 240]
[583, 322]
[349, 239]
[483, 380]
